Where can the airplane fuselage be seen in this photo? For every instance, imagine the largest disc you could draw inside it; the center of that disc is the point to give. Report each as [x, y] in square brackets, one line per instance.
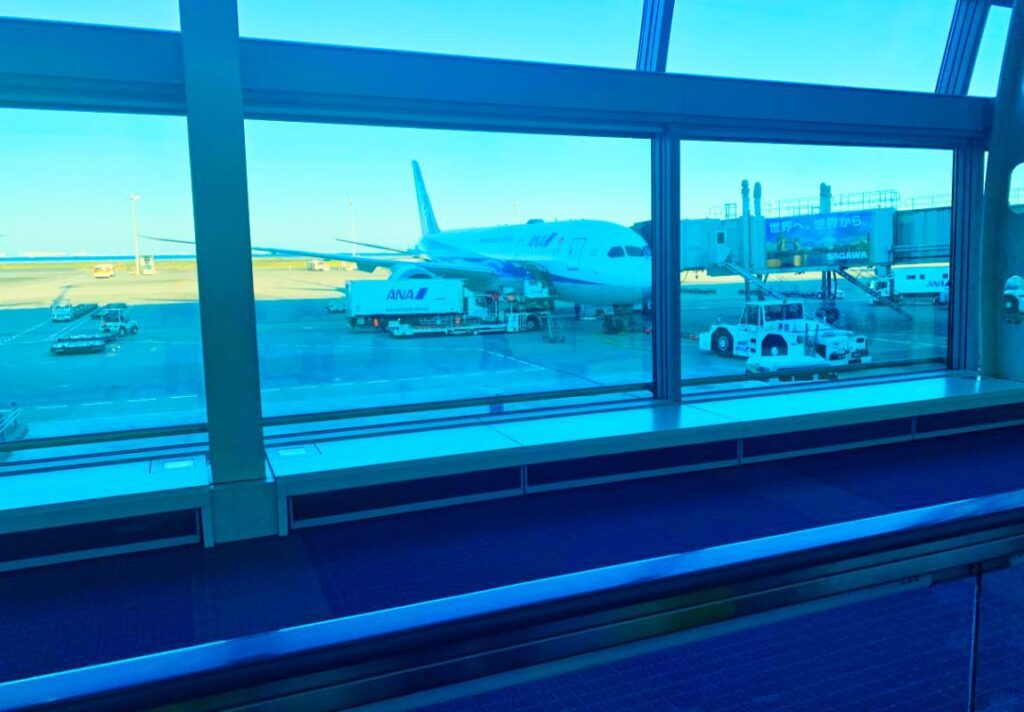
[584, 261]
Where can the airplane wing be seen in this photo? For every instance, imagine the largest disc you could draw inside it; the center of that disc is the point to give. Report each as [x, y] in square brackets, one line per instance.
[456, 269]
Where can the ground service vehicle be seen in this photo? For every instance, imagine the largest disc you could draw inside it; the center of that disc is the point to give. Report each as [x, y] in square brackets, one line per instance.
[79, 344]
[790, 368]
[148, 264]
[914, 283]
[103, 271]
[1013, 296]
[372, 303]
[98, 314]
[66, 311]
[116, 321]
[777, 328]
[318, 265]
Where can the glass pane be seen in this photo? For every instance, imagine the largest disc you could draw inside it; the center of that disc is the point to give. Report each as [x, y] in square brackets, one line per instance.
[862, 271]
[1000, 684]
[592, 32]
[150, 14]
[472, 265]
[92, 340]
[909, 651]
[985, 79]
[883, 44]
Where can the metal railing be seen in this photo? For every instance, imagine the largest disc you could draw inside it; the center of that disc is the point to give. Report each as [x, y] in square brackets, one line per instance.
[452, 647]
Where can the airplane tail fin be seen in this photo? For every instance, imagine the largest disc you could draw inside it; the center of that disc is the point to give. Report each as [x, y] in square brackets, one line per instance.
[428, 223]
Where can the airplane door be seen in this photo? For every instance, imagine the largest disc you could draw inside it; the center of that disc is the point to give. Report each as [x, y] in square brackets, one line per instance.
[575, 253]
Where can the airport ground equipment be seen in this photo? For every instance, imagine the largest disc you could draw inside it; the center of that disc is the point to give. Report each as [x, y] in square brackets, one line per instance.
[79, 344]
[98, 314]
[103, 271]
[318, 265]
[877, 297]
[458, 326]
[753, 280]
[555, 333]
[373, 303]
[775, 328]
[911, 282]
[1013, 298]
[65, 311]
[117, 321]
[790, 368]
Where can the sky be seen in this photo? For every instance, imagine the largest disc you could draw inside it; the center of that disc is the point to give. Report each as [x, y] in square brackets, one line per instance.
[67, 175]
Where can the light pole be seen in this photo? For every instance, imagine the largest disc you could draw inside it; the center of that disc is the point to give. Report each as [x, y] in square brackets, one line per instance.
[132, 199]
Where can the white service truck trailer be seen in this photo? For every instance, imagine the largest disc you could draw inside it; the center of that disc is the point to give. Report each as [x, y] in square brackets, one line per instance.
[777, 328]
[372, 304]
[912, 283]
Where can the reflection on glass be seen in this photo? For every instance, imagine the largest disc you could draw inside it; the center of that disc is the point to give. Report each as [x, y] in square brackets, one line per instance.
[150, 14]
[602, 33]
[985, 79]
[402, 266]
[881, 44]
[777, 288]
[905, 652]
[99, 325]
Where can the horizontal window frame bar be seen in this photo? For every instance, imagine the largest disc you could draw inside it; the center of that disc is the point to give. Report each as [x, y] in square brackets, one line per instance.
[940, 362]
[381, 656]
[295, 81]
[300, 418]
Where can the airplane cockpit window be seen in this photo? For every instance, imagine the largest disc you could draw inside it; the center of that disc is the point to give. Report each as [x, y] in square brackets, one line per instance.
[616, 252]
[634, 251]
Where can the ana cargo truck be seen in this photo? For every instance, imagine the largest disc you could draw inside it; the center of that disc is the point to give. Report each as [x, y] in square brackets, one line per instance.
[927, 284]
[372, 304]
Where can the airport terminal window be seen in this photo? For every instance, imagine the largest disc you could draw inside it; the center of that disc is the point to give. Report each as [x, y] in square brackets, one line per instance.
[850, 282]
[150, 14]
[470, 265]
[98, 331]
[881, 44]
[602, 33]
[985, 79]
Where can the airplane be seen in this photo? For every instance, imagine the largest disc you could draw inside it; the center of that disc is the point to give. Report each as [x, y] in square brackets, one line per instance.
[589, 262]
[585, 262]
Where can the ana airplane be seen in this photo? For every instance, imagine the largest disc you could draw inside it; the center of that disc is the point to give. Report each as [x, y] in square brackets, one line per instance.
[582, 261]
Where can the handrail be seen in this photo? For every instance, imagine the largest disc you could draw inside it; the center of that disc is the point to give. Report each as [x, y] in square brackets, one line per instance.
[543, 624]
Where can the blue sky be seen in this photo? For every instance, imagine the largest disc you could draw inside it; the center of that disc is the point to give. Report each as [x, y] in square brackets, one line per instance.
[66, 175]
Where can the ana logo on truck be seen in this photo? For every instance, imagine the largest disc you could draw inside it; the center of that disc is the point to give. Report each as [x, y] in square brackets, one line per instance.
[406, 295]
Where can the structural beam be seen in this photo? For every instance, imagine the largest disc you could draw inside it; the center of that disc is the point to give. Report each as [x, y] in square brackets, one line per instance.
[655, 30]
[965, 255]
[1002, 250]
[665, 236]
[220, 204]
[304, 82]
[965, 32]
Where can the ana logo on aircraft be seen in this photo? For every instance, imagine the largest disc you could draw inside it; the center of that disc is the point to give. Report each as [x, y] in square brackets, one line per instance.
[407, 295]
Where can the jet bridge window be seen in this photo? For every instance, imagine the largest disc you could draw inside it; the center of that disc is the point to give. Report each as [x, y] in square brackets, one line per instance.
[616, 252]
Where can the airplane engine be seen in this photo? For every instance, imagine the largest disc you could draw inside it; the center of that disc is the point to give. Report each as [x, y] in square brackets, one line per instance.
[411, 272]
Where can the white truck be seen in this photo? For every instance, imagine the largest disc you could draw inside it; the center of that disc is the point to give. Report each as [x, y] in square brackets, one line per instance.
[914, 283]
[66, 311]
[407, 307]
[374, 303]
[117, 321]
[777, 328]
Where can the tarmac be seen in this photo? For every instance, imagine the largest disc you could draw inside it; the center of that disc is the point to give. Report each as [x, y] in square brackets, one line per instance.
[311, 361]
